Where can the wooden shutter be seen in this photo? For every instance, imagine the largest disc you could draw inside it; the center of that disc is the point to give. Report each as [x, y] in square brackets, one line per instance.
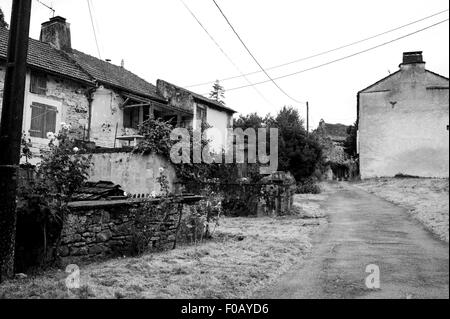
[37, 120]
[50, 121]
[43, 120]
[38, 84]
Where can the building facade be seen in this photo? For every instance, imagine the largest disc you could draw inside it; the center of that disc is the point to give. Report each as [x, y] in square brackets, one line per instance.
[104, 103]
[332, 138]
[403, 123]
[215, 114]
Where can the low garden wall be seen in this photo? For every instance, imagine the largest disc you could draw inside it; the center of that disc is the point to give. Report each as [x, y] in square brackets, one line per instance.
[98, 229]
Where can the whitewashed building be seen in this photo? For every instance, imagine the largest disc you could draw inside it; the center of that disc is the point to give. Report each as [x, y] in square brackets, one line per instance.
[403, 123]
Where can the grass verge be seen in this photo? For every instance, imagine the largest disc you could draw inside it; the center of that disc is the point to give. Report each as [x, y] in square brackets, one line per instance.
[245, 254]
[426, 199]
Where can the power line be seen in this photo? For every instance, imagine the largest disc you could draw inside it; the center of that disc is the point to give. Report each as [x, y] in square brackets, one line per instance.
[224, 53]
[93, 29]
[345, 57]
[328, 51]
[253, 57]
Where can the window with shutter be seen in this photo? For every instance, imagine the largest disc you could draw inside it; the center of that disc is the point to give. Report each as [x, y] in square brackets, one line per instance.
[43, 120]
[38, 84]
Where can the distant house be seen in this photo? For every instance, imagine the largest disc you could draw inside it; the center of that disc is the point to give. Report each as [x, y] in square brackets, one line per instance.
[217, 115]
[104, 103]
[403, 123]
[332, 138]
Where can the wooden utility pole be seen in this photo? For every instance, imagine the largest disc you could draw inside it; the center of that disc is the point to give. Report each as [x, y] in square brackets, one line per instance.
[307, 117]
[11, 131]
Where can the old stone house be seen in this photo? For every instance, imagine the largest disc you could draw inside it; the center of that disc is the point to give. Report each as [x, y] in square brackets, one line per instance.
[104, 103]
[332, 138]
[403, 123]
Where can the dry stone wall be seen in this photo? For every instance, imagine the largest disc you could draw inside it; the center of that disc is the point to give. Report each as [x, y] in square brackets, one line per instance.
[115, 228]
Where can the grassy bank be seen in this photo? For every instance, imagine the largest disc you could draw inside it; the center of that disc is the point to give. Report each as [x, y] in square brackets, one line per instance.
[426, 199]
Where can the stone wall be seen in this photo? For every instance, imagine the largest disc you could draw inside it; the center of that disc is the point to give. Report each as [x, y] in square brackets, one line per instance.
[67, 96]
[176, 96]
[115, 228]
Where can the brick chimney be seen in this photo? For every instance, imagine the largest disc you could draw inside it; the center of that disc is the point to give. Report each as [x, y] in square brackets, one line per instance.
[412, 59]
[57, 32]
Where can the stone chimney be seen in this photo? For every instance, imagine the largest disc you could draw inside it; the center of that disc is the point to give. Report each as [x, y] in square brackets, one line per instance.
[57, 32]
[412, 59]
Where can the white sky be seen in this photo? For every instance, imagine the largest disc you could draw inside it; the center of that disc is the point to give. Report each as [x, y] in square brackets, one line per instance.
[160, 39]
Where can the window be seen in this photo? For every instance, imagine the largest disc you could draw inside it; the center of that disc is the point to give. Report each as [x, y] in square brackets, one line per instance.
[201, 114]
[43, 120]
[38, 83]
[131, 117]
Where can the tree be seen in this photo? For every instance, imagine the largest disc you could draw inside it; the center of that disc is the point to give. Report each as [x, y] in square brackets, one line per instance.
[252, 120]
[350, 144]
[299, 152]
[3, 23]
[218, 93]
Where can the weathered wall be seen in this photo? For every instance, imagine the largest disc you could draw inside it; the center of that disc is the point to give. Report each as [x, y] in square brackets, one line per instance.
[220, 122]
[106, 116]
[102, 229]
[175, 95]
[137, 174]
[403, 125]
[67, 96]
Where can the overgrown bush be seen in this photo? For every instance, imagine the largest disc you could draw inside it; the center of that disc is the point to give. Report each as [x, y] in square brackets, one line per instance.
[239, 196]
[156, 133]
[308, 186]
[200, 221]
[44, 199]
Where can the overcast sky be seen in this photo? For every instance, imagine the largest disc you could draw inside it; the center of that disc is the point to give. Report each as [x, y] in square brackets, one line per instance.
[160, 39]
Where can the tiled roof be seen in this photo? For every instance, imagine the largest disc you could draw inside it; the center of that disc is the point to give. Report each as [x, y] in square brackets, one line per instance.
[212, 102]
[43, 56]
[114, 75]
[334, 131]
[80, 66]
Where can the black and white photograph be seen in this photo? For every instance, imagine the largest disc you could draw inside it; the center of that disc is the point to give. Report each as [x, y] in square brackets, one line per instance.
[224, 155]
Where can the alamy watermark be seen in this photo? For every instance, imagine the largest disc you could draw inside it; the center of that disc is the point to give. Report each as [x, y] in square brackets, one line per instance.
[249, 146]
[373, 280]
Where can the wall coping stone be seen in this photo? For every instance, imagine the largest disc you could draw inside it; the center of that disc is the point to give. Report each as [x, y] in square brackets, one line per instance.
[83, 205]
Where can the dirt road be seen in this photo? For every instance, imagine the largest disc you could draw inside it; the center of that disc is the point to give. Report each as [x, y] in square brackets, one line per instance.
[366, 230]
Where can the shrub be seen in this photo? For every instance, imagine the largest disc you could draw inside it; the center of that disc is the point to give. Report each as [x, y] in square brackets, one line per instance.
[200, 221]
[400, 176]
[156, 139]
[44, 199]
[308, 186]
